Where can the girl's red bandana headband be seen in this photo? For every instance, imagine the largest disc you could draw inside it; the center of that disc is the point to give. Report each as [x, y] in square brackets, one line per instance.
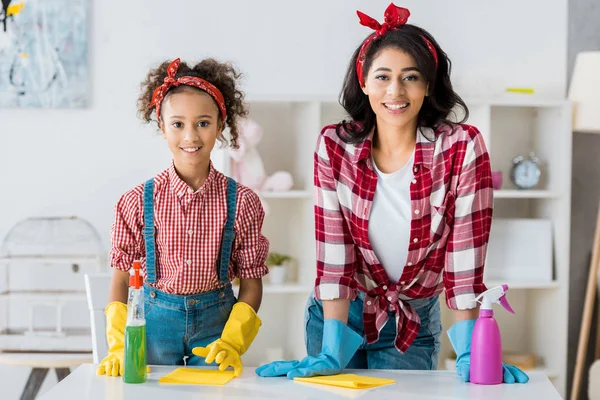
[170, 81]
[394, 18]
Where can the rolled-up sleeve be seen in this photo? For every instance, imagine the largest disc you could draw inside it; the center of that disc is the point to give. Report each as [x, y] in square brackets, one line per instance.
[336, 258]
[251, 246]
[126, 232]
[468, 240]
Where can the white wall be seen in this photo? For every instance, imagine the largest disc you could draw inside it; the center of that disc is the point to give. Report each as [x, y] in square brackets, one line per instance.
[78, 162]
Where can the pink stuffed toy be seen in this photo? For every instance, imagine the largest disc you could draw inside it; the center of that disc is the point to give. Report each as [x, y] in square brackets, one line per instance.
[246, 165]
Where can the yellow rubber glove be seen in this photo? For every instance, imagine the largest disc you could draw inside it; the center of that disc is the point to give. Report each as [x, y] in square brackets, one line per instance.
[237, 336]
[116, 317]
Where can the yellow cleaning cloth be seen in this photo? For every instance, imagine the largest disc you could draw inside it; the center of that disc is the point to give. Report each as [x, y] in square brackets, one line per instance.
[193, 376]
[350, 381]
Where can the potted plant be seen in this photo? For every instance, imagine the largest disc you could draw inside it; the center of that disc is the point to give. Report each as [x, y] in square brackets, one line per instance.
[277, 266]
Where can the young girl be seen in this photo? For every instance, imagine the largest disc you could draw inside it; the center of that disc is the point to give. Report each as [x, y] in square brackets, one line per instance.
[404, 209]
[193, 228]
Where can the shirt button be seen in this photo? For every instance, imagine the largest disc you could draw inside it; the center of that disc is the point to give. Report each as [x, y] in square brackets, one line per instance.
[415, 240]
[416, 211]
[416, 169]
[409, 264]
[189, 262]
[191, 232]
[369, 302]
[414, 181]
[402, 283]
[180, 193]
[384, 287]
[389, 298]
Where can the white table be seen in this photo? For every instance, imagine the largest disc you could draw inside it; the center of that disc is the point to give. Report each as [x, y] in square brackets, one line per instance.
[83, 383]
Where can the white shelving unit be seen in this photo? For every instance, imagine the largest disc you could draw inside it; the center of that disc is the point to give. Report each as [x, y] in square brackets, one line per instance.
[513, 125]
[525, 194]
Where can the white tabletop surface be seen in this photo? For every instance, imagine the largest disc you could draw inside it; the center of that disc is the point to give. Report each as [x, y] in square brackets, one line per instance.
[83, 383]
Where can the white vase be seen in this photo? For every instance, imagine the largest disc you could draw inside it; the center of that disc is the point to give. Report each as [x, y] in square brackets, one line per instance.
[277, 275]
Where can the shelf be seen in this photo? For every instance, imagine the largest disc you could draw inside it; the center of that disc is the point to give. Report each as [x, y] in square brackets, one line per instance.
[289, 288]
[289, 194]
[525, 194]
[523, 285]
[516, 100]
[502, 100]
[51, 259]
[51, 296]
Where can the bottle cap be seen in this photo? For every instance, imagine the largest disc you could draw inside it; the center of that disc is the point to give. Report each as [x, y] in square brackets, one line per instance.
[136, 280]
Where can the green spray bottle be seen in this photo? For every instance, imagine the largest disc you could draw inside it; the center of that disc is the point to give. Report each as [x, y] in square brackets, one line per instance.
[135, 330]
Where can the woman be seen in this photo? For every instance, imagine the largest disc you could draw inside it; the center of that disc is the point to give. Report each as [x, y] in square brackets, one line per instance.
[404, 210]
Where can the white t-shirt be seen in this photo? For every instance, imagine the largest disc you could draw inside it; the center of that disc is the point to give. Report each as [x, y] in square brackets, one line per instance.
[389, 221]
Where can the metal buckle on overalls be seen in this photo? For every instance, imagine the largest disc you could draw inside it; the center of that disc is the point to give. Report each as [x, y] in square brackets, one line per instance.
[149, 231]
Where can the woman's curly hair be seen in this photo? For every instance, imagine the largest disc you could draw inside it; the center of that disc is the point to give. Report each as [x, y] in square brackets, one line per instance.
[223, 75]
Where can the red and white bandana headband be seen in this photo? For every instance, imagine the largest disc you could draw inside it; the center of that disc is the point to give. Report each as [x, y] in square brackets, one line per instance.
[170, 81]
[394, 18]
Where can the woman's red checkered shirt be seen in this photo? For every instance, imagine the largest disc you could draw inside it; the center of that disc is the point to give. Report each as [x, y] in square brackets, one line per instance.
[188, 233]
[451, 207]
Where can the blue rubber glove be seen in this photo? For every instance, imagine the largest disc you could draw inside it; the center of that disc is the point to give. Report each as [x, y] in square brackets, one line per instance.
[338, 347]
[460, 335]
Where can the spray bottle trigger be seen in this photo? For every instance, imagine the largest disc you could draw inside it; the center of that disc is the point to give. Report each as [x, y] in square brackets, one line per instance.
[478, 298]
[505, 304]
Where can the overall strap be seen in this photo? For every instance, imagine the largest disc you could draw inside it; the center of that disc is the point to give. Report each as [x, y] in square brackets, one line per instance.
[149, 231]
[228, 233]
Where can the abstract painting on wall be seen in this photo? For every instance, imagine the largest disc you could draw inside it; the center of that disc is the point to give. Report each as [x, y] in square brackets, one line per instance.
[44, 54]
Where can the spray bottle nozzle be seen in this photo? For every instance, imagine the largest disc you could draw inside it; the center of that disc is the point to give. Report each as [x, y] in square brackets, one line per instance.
[136, 280]
[494, 295]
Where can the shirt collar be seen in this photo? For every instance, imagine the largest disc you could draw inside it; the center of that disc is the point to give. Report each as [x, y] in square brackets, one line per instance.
[424, 150]
[180, 188]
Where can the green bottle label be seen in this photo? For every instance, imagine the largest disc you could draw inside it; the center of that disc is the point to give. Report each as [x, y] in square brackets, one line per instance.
[135, 354]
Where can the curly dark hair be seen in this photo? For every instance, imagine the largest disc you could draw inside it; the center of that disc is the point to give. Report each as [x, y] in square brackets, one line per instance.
[437, 105]
[221, 74]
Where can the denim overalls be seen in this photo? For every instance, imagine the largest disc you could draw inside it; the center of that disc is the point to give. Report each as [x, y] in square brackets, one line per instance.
[175, 324]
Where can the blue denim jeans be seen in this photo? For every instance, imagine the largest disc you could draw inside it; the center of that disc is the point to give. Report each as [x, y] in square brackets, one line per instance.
[176, 324]
[422, 353]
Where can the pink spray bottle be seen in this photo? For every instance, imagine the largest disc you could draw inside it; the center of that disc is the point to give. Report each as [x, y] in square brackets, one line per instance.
[486, 344]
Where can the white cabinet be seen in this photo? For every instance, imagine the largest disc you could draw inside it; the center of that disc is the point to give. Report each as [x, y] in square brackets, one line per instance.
[511, 126]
